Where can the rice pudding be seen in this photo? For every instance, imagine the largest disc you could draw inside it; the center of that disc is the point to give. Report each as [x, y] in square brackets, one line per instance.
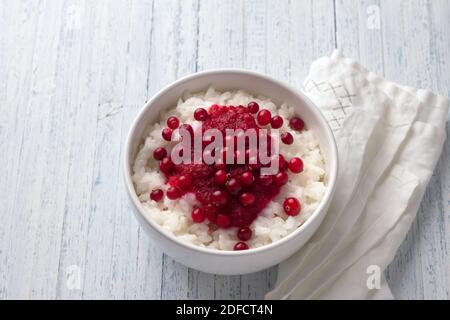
[229, 206]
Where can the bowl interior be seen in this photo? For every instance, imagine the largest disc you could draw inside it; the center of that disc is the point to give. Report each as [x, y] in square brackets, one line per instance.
[254, 84]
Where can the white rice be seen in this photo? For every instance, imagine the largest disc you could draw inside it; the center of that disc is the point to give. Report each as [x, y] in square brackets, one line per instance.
[272, 224]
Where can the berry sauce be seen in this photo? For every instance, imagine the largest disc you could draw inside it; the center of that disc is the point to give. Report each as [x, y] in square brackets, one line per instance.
[203, 186]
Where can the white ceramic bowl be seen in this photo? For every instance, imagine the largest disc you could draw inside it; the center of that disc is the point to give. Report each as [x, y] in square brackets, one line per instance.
[232, 262]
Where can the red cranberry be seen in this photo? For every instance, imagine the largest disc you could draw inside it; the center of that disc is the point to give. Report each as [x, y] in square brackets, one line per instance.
[265, 180]
[282, 163]
[247, 198]
[296, 165]
[233, 186]
[167, 134]
[246, 178]
[198, 215]
[156, 195]
[281, 178]
[287, 138]
[219, 198]
[184, 182]
[263, 117]
[159, 153]
[220, 177]
[240, 246]
[291, 206]
[244, 233]
[173, 122]
[276, 122]
[253, 107]
[166, 165]
[223, 221]
[296, 123]
[200, 114]
[210, 212]
[173, 193]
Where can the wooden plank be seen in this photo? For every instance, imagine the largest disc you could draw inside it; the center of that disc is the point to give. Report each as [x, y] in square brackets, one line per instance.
[31, 213]
[18, 22]
[84, 31]
[105, 204]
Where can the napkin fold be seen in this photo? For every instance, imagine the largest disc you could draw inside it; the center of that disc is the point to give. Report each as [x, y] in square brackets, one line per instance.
[389, 140]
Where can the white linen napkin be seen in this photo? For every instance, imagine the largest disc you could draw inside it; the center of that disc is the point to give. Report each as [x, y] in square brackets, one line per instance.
[389, 140]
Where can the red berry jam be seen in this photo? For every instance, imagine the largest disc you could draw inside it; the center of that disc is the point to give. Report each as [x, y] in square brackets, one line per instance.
[229, 195]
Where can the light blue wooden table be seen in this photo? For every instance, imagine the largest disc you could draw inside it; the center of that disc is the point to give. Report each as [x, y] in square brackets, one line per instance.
[73, 74]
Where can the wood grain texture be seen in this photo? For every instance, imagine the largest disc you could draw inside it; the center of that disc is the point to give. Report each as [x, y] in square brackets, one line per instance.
[74, 73]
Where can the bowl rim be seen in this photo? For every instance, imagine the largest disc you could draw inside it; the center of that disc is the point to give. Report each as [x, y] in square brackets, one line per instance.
[332, 174]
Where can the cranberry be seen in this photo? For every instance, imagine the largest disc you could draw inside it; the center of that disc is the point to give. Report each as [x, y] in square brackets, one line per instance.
[173, 193]
[167, 134]
[296, 123]
[210, 212]
[156, 195]
[159, 153]
[200, 114]
[246, 178]
[253, 107]
[233, 186]
[287, 138]
[198, 215]
[291, 206]
[276, 122]
[296, 165]
[263, 117]
[166, 165]
[265, 180]
[184, 182]
[247, 198]
[173, 122]
[281, 178]
[220, 177]
[240, 246]
[282, 163]
[244, 233]
[223, 221]
[219, 198]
